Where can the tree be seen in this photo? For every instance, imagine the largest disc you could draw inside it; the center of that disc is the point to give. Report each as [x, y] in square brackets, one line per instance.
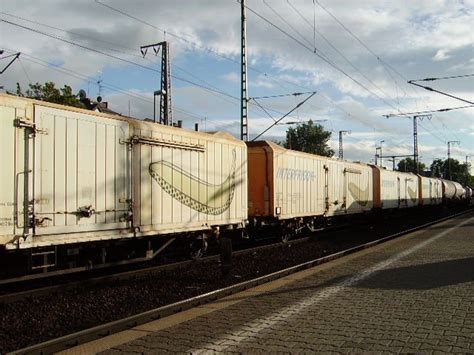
[408, 165]
[49, 92]
[459, 171]
[310, 138]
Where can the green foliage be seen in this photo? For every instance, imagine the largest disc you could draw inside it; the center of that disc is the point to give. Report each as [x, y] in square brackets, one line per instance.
[408, 165]
[49, 92]
[452, 169]
[310, 138]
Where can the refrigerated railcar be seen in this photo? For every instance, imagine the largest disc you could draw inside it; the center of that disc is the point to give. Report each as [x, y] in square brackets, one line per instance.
[74, 181]
[82, 188]
[294, 189]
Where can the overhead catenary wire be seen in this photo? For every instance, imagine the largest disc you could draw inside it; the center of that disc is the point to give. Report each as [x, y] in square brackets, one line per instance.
[440, 92]
[91, 80]
[336, 49]
[445, 77]
[263, 109]
[285, 115]
[130, 51]
[193, 44]
[281, 95]
[24, 70]
[118, 58]
[384, 63]
[337, 68]
[316, 54]
[429, 111]
[325, 97]
[207, 84]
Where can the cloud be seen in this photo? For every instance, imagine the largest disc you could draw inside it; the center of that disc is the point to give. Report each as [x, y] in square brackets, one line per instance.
[440, 55]
[412, 39]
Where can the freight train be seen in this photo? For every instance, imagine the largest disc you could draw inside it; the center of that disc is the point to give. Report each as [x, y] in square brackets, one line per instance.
[81, 189]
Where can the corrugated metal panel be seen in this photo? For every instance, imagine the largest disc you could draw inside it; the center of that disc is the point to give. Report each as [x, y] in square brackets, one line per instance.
[398, 190]
[14, 142]
[411, 190]
[431, 191]
[185, 180]
[306, 184]
[296, 191]
[79, 162]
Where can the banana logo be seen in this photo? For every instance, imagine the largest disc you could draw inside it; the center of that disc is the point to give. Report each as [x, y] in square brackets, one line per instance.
[412, 194]
[212, 199]
[359, 196]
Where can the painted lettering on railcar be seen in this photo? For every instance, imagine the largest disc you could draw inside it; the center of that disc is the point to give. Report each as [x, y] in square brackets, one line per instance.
[295, 174]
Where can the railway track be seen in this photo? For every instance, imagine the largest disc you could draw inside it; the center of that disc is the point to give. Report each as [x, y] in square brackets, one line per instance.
[126, 275]
[100, 331]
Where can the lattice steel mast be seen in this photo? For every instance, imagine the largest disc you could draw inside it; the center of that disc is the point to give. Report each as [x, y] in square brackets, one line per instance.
[166, 116]
[243, 75]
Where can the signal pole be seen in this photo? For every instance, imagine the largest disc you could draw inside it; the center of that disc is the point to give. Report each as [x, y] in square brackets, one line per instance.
[341, 151]
[449, 156]
[243, 74]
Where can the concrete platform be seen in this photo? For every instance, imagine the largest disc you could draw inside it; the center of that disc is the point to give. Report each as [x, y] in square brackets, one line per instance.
[413, 294]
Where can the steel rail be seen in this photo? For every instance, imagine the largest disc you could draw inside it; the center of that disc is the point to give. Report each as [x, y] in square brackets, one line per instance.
[124, 275]
[104, 330]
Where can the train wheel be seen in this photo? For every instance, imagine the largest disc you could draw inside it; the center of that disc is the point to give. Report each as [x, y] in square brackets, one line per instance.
[226, 255]
[197, 248]
[286, 236]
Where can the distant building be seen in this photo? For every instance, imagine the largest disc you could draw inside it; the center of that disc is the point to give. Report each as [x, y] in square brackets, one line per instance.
[99, 105]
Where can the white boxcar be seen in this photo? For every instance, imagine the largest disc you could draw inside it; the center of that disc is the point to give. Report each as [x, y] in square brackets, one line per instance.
[71, 175]
[287, 184]
[394, 189]
[431, 191]
[185, 180]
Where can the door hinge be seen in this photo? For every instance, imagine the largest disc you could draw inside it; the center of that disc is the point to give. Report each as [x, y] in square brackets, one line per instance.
[27, 124]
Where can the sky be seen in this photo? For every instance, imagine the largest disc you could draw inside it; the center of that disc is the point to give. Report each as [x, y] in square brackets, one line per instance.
[356, 56]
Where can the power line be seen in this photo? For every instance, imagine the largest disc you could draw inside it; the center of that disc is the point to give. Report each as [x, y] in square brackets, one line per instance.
[336, 49]
[110, 43]
[290, 26]
[208, 86]
[118, 58]
[384, 63]
[192, 44]
[76, 34]
[432, 133]
[24, 71]
[317, 54]
[281, 95]
[445, 77]
[302, 44]
[109, 86]
[429, 111]
[440, 92]
[285, 115]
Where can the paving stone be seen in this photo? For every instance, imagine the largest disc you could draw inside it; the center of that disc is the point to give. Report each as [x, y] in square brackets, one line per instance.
[418, 302]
